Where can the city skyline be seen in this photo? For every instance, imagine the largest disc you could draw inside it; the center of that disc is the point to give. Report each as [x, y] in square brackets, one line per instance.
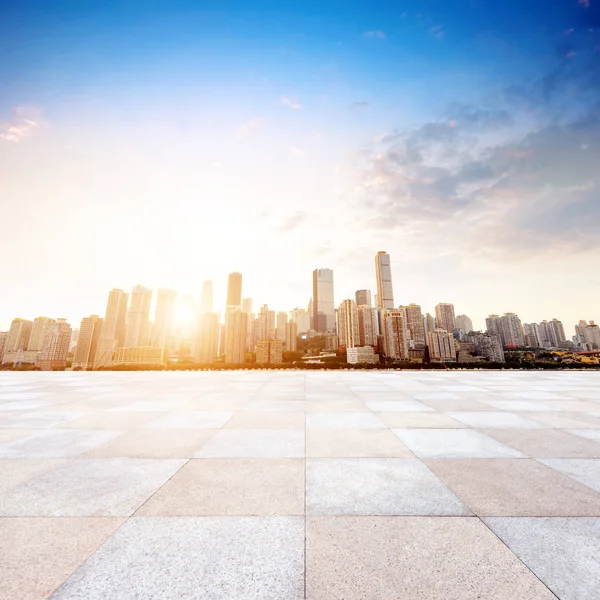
[174, 144]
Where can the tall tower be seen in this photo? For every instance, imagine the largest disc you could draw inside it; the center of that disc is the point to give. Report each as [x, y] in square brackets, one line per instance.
[323, 303]
[236, 326]
[444, 315]
[113, 329]
[363, 297]
[19, 334]
[87, 342]
[383, 272]
[138, 317]
[206, 338]
[206, 299]
[41, 327]
[395, 334]
[234, 290]
[56, 347]
[348, 330]
[164, 319]
[415, 326]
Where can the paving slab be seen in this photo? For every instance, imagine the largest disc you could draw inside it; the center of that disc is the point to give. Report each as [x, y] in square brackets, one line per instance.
[376, 486]
[417, 420]
[348, 443]
[546, 443]
[343, 420]
[84, 487]
[222, 558]
[563, 553]
[232, 487]
[413, 558]
[493, 420]
[515, 487]
[267, 420]
[255, 443]
[192, 419]
[584, 470]
[454, 443]
[113, 420]
[37, 555]
[398, 406]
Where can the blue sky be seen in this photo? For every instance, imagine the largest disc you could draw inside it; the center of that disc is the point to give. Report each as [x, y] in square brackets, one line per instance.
[168, 142]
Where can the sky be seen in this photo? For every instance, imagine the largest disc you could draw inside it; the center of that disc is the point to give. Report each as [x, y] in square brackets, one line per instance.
[163, 142]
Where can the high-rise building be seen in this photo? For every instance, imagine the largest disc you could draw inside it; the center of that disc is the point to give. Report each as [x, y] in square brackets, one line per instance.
[428, 324]
[444, 315]
[40, 328]
[464, 323]
[206, 298]
[234, 290]
[265, 324]
[164, 319]
[301, 317]
[247, 306]
[56, 347]
[368, 325]
[415, 326]
[323, 302]
[19, 334]
[363, 297]
[348, 330]
[4, 335]
[87, 343]
[291, 336]
[395, 334]
[269, 352]
[236, 329]
[488, 345]
[508, 327]
[532, 335]
[592, 335]
[441, 346]
[139, 328]
[115, 318]
[281, 326]
[383, 273]
[206, 338]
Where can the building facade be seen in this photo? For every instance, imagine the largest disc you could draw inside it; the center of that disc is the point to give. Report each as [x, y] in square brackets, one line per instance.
[87, 342]
[348, 329]
[415, 326]
[441, 346]
[236, 328]
[56, 347]
[363, 297]
[205, 348]
[395, 334]
[444, 317]
[234, 291]
[139, 328]
[323, 301]
[383, 274]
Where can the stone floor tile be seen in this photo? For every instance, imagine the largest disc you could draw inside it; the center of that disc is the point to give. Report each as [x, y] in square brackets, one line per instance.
[154, 443]
[563, 553]
[590, 434]
[37, 555]
[255, 443]
[413, 558]
[267, 420]
[343, 420]
[83, 487]
[563, 420]
[546, 443]
[232, 487]
[398, 406]
[221, 558]
[454, 443]
[515, 488]
[8, 435]
[335, 405]
[584, 470]
[39, 419]
[57, 443]
[275, 405]
[348, 443]
[14, 471]
[192, 419]
[518, 405]
[461, 404]
[493, 420]
[376, 486]
[113, 420]
[416, 420]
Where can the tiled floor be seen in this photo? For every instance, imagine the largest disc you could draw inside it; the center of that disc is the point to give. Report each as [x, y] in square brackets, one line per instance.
[290, 485]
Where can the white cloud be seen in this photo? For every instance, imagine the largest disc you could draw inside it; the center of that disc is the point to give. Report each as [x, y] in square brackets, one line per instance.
[21, 126]
[298, 152]
[250, 127]
[377, 33]
[291, 103]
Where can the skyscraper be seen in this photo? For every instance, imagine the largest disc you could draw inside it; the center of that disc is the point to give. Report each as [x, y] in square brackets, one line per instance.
[368, 325]
[444, 315]
[4, 335]
[291, 336]
[247, 306]
[138, 318]
[164, 319]
[236, 325]
[395, 334]
[19, 334]
[56, 346]
[206, 338]
[87, 342]
[463, 322]
[532, 335]
[206, 299]
[415, 326]
[508, 327]
[301, 317]
[383, 273]
[40, 328]
[280, 330]
[234, 290]
[441, 345]
[363, 297]
[348, 330]
[265, 324]
[323, 301]
[113, 328]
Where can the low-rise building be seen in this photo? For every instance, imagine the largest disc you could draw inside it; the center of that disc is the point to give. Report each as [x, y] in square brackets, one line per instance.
[361, 354]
